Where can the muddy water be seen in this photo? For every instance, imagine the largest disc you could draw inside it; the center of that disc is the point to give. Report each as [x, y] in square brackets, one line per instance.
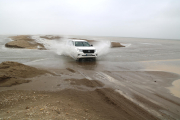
[115, 59]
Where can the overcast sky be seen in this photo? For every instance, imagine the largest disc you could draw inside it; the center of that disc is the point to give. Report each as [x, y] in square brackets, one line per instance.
[124, 18]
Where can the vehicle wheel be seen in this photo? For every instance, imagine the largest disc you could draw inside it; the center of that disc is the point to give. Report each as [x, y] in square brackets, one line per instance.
[80, 59]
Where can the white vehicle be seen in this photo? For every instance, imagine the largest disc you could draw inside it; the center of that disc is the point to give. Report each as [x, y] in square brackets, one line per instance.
[79, 49]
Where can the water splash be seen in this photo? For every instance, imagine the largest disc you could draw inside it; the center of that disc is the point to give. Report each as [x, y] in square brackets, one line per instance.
[102, 47]
[60, 46]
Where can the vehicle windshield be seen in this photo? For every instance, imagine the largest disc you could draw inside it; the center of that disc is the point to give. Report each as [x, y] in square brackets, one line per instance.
[79, 43]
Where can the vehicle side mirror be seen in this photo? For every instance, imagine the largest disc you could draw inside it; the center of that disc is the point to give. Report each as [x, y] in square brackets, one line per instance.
[91, 45]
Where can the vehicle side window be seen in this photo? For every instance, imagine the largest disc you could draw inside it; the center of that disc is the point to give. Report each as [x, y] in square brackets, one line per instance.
[78, 43]
[86, 44]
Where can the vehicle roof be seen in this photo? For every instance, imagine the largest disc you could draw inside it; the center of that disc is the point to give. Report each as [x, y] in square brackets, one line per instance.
[79, 40]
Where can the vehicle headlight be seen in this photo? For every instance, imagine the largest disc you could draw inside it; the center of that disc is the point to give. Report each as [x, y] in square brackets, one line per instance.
[79, 50]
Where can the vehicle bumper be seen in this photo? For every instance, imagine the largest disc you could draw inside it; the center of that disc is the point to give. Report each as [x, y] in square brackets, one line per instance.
[88, 55]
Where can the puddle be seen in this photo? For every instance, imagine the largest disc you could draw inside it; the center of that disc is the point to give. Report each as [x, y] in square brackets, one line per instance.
[175, 89]
[167, 66]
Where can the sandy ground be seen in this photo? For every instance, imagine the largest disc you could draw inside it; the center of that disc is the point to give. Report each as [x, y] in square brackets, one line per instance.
[116, 44]
[100, 103]
[80, 94]
[12, 73]
[24, 41]
[70, 104]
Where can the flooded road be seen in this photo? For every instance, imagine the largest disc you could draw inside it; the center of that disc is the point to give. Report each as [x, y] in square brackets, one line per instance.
[160, 55]
[146, 72]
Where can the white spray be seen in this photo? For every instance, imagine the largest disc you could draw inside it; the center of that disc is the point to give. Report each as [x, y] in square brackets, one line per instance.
[60, 48]
[102, 47]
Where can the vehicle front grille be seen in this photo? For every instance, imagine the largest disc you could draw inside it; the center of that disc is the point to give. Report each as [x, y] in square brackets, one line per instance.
[88, 51]
[88, 55]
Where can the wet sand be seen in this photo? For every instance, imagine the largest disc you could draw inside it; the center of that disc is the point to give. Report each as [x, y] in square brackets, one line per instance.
[24, 41]
[116, 44]
[13, 73]
[82, 93]
[105, 90]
